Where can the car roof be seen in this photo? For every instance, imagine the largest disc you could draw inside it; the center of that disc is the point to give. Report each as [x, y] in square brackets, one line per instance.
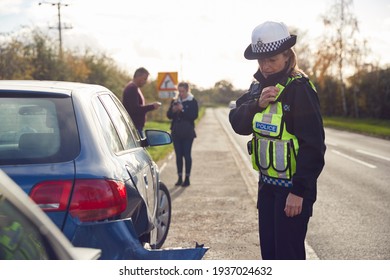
[60, 87]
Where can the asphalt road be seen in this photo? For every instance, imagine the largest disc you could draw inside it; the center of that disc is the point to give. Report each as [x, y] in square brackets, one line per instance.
[217, 209]
[351, 218]
[352, 214]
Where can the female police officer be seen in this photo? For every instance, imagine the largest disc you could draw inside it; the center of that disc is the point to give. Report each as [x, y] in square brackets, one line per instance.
[281, 109]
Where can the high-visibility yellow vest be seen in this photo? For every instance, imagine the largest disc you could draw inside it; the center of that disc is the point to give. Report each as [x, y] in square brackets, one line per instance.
[273, 149]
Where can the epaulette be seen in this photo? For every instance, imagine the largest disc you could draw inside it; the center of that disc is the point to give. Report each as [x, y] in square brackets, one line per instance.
[254, 90]
[301, 79]
[251, 94]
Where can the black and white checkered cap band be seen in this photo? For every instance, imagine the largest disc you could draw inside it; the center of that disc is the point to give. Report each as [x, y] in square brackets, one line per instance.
[261, 47]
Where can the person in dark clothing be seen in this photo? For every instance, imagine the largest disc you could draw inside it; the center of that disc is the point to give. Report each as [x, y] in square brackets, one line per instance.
[281, 110]
[134, 101]
[183, 111]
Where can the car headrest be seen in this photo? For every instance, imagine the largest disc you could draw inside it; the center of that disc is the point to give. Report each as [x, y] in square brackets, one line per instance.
[38, 142]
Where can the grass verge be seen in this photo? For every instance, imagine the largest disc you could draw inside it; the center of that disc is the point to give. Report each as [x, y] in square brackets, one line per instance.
[372, 127]
[159, 152]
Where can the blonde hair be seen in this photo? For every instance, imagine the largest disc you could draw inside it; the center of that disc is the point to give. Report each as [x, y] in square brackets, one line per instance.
[292, 63]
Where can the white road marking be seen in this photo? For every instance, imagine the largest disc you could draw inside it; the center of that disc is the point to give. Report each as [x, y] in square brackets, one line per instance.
[354, 159]
[163, 167]
[373, 155]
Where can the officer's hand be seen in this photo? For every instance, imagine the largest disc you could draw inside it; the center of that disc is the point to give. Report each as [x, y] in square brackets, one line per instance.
[268, 95]
[293, 205]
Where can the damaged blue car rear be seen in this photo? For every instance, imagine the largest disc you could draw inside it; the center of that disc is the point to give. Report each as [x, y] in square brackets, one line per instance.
[74, 150]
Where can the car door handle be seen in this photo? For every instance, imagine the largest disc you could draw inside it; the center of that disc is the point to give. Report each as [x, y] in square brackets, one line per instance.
[146, 180]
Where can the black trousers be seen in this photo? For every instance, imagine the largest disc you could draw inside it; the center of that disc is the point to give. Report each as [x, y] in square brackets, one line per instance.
[183, 147]
[281, 237]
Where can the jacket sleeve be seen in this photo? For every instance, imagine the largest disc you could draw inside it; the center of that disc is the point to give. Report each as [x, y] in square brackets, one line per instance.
[241, 117]
[309, 130]
[170, 113]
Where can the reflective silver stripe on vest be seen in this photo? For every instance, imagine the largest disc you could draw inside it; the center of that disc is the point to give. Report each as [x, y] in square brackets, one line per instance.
[280, 154]
[273, 152]
[267, 118]
[273, 109]
[264, 148]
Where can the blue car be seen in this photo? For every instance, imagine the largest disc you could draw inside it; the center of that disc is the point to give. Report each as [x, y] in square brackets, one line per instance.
[74, 150]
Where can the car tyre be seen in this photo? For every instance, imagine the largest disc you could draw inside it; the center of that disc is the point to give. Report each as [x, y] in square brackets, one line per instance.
[163, 216]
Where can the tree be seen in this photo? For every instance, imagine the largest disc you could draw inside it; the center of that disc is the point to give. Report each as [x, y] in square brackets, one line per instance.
[12, 64]
[30, 54]
[373, 100]
[340, 47]
[302, 50]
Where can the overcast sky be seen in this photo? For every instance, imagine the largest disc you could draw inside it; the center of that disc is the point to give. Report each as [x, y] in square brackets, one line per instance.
[203, 40]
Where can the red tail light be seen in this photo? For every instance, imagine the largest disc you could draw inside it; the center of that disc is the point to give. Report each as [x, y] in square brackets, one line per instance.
[52, 195]
[92, 200]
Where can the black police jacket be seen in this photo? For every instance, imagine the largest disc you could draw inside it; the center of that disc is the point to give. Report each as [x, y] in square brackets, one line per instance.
[303, 119]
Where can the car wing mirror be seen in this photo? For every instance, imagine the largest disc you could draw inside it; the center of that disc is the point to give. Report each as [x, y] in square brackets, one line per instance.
[156, 138]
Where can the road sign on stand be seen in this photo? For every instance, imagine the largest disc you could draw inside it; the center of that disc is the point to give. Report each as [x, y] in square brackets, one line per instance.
[167, 84]
[167, 94]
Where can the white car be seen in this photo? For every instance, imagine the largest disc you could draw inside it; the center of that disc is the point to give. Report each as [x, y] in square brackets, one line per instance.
[26, 233]
[232, 104]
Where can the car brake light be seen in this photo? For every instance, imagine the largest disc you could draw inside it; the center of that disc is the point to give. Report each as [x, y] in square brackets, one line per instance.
[52, 195]
[95, 200]
[92, 200]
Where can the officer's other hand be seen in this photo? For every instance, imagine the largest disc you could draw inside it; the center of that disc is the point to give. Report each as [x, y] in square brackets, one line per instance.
[293, 205]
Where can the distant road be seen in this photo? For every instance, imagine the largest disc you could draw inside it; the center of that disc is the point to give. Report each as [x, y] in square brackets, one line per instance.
[352, 214]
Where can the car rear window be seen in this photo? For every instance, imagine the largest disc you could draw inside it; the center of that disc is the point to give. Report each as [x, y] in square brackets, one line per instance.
[37, 130]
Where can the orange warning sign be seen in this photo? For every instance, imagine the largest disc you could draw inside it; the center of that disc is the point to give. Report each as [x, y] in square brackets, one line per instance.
[167, 81]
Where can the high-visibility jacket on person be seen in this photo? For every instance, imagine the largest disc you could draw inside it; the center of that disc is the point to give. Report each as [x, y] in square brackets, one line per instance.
[273, 149]
[299, 113]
